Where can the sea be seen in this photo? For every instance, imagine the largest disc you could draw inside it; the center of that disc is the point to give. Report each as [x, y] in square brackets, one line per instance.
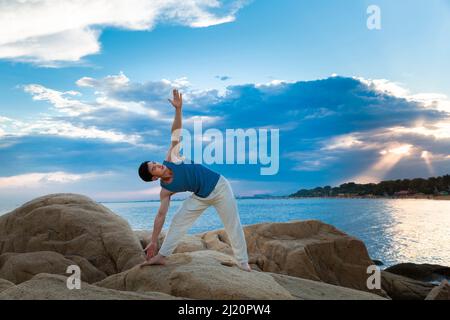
[393, 230]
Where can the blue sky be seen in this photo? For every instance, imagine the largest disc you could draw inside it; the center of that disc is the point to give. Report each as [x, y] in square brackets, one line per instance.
[84, 88]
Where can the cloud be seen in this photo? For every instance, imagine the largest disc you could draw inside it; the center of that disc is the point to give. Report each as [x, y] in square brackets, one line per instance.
[52, 127]
[112, 81]
[437, 101]
[331, 130]
[49, 32]
[112, 92]
[60, 100]
[347, 141]
[437, 130]
[36, 179]
[346, 128]
[223, 78]
[117, 97]
[340, 105]
[310, 160]
[116, 91]
[129, 195]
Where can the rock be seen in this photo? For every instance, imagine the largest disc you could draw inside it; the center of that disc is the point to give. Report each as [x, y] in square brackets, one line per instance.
[54, 287]
[304, 289]
[5, 284]
[198, 275]
[72, 225]
[188, 243]
[20, 267]
[144, 237]
[403, 288]
[421, 272]
[218, 240]
[211, 275]
[89, 273]
[441, 292]
[305, 249]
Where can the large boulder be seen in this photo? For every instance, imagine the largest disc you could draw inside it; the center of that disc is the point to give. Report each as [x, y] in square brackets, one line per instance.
[422, 272]
[72, 225]
[209, 274]
[145, 236]
[307, 249]
[5, 284]
[202, 274]
[304, 289]
[403, 288]
[54, 287]
[20, 267]
[188, 243]
[441, 292]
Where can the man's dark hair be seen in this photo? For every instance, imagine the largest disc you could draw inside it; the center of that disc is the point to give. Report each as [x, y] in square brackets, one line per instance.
[144, 172]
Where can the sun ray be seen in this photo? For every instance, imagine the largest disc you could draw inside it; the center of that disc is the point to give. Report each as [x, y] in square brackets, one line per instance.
[389, 158]
[427, 156]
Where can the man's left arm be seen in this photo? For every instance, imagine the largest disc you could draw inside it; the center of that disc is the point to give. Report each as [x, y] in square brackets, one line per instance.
[177, 125]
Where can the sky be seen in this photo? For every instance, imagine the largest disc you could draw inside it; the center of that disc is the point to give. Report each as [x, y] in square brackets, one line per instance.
[84, 88]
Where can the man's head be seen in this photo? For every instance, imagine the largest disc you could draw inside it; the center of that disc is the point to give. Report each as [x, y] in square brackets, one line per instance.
[151, 171]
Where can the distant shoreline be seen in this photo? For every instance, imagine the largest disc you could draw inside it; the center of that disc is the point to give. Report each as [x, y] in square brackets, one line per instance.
[423, 197]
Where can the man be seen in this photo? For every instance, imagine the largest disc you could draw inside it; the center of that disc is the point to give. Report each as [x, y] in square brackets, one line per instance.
[209, 189]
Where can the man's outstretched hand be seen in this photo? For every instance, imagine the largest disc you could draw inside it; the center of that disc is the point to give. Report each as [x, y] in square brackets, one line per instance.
[150, 250]
[177, 100]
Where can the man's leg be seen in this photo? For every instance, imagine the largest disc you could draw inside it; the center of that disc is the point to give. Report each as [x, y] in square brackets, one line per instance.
[186, 215]
[226, 206]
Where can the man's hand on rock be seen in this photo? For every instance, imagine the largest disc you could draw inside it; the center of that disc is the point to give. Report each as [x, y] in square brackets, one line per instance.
[156, 260]
[151, 249]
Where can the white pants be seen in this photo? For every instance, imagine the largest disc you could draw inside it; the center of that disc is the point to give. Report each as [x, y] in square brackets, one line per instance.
[222, 198]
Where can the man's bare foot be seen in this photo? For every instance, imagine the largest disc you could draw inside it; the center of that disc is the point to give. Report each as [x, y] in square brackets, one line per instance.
[156, 260]
[244, 266]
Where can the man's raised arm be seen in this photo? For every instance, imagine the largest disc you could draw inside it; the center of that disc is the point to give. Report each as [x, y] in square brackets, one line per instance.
[177, 103]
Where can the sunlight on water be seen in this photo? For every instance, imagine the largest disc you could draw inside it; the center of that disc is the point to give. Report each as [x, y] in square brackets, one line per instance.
[420, 230]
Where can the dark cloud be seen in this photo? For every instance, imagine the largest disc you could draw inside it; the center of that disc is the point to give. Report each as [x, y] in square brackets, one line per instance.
[223, 78]
[340, 105]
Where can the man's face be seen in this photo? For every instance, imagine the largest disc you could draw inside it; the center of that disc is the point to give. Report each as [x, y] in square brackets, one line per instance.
[156, 169]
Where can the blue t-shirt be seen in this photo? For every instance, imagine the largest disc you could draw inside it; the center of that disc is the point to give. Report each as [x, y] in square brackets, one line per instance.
[191, 177]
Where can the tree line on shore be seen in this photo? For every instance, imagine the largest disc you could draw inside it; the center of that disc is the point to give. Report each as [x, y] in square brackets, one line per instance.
[401, 187]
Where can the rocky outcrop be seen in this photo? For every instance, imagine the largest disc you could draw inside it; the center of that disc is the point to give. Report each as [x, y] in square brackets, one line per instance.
[208, 274]
[441, 292]
[189, 242]
[198, 275]
[403, 288]
[72, 225]
[54, 287]
[296, 260]
[20, 267]
[306, 249]
[304, 289]
[144, 237]
[5, 284]
[421, 272]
